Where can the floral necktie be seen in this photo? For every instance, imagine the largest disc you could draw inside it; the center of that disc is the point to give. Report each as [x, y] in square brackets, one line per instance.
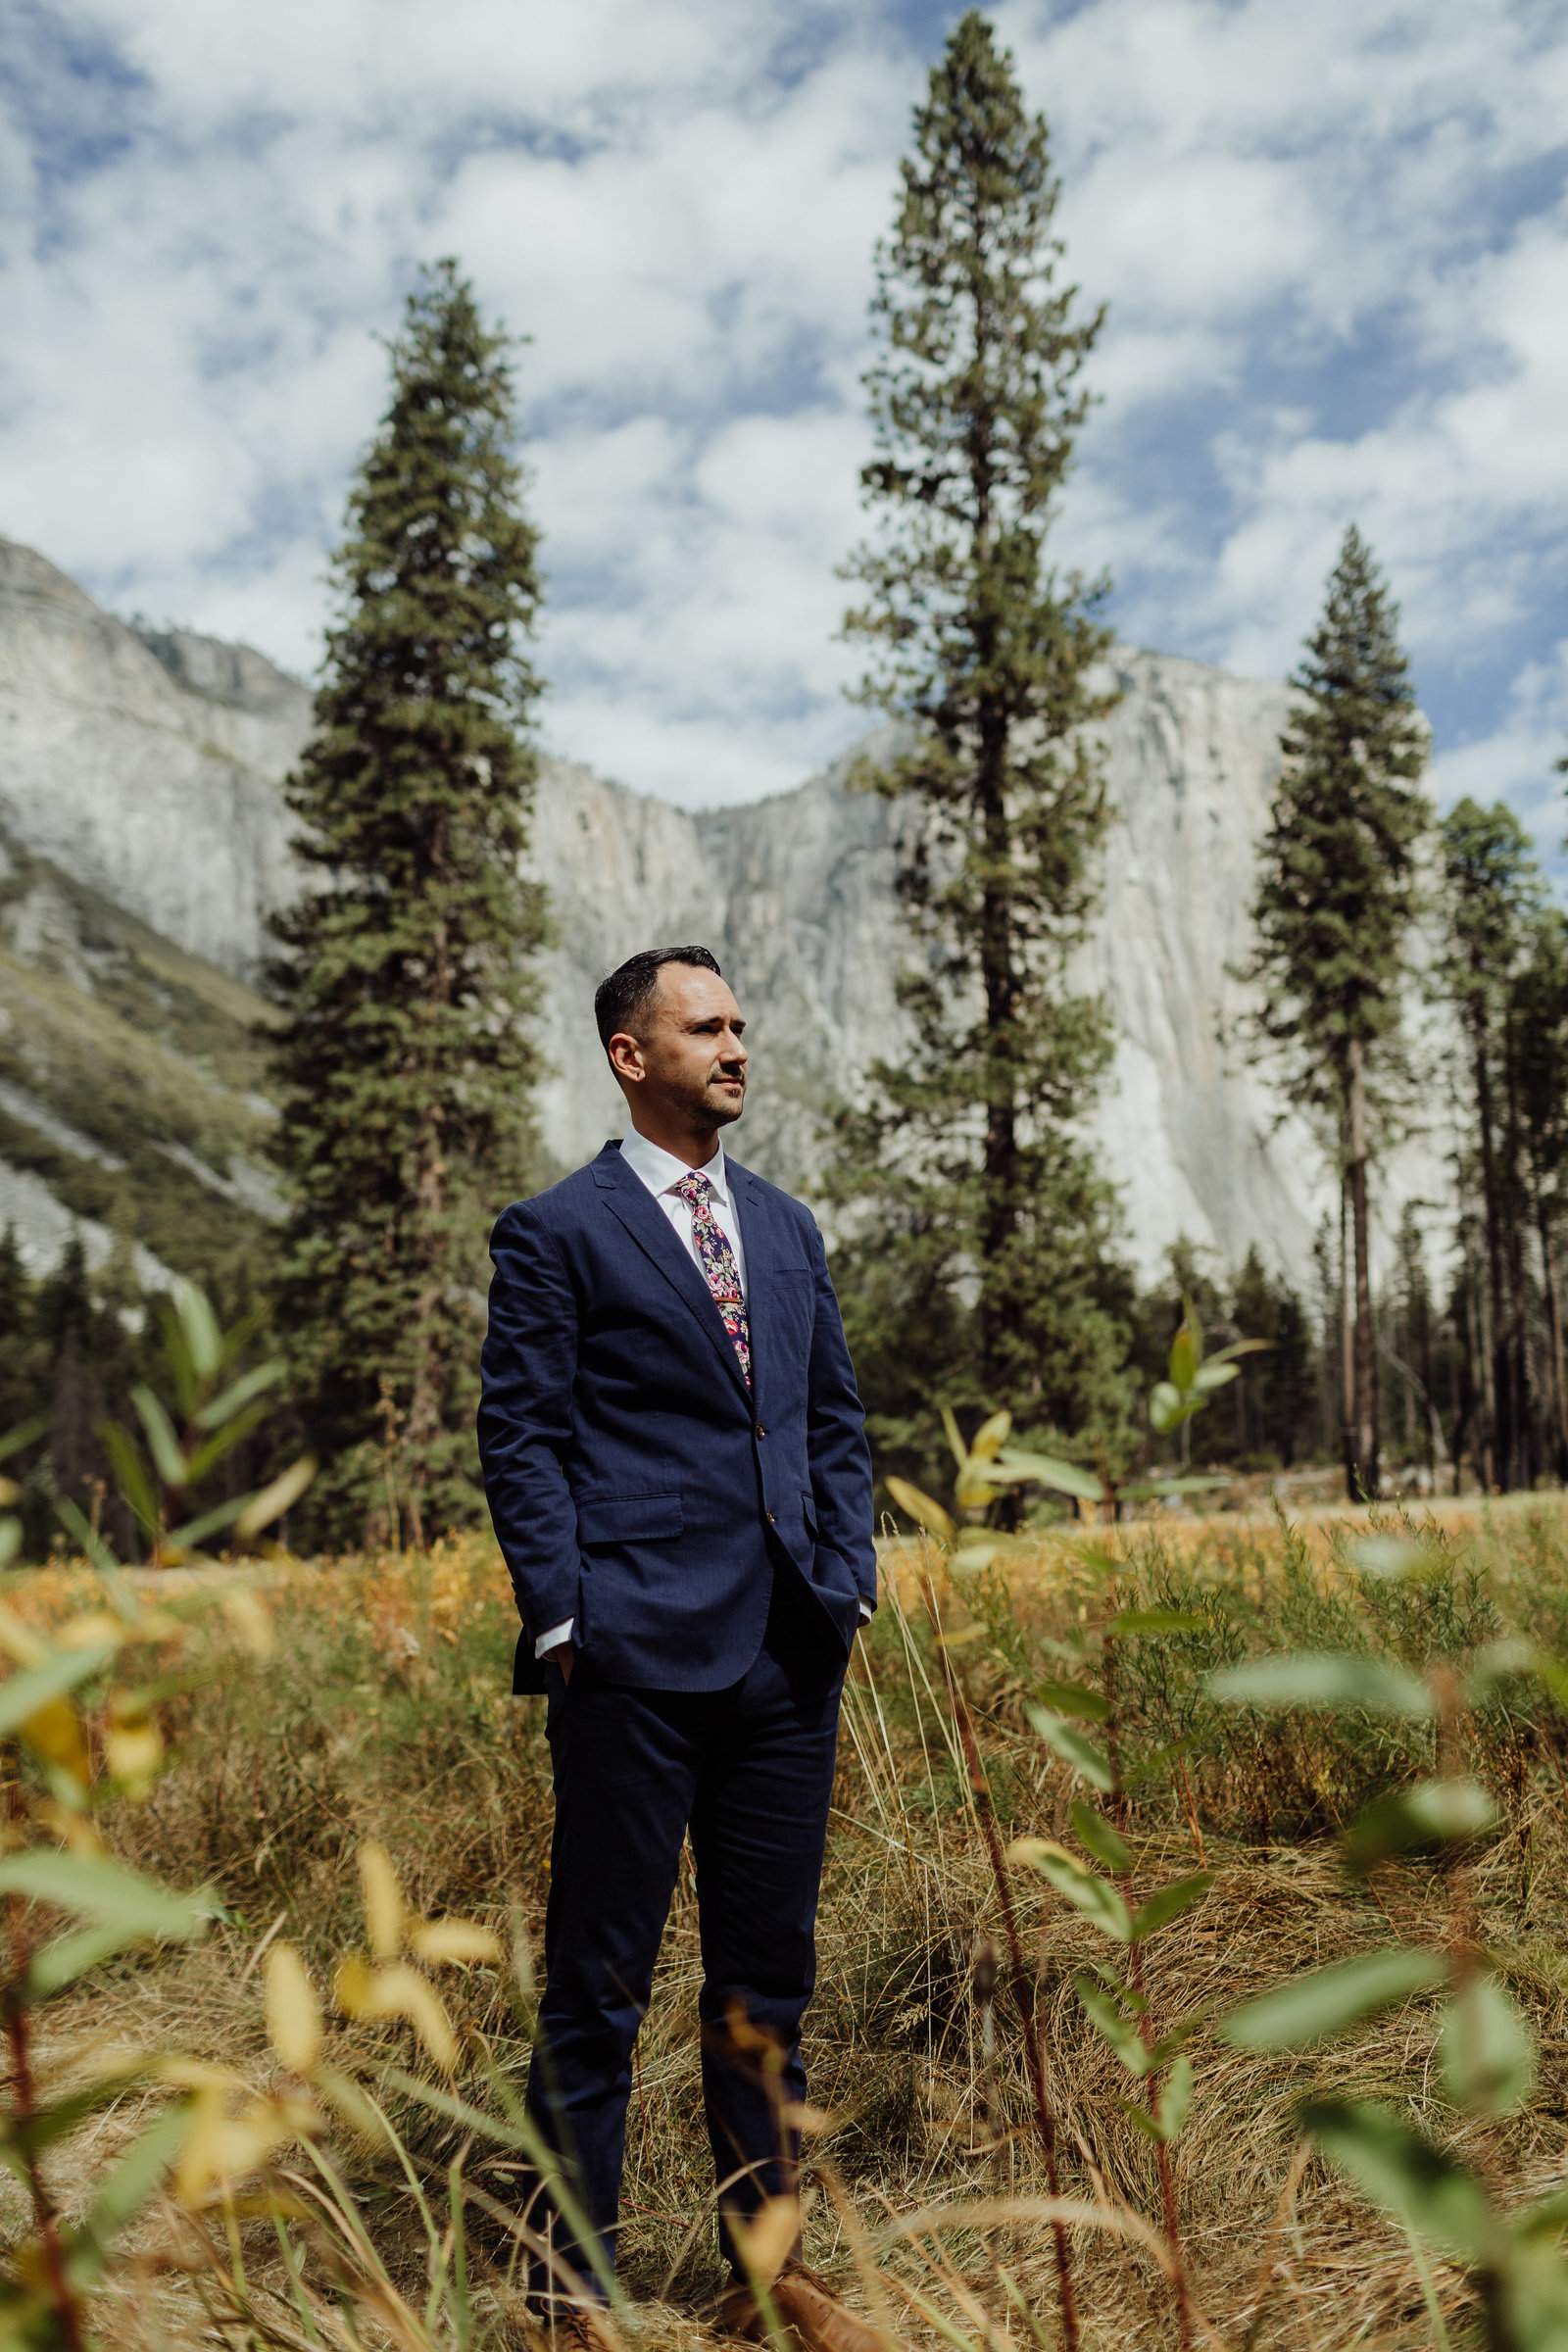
[717, 1261]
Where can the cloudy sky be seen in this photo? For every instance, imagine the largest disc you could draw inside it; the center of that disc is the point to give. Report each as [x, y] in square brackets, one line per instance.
[1334, 241]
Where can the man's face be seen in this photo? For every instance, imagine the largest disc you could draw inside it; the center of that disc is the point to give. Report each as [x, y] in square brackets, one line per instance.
[690, 1057]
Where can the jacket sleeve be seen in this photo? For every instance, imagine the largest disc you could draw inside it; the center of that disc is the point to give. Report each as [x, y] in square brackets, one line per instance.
[525, 1432]
[835, 1438]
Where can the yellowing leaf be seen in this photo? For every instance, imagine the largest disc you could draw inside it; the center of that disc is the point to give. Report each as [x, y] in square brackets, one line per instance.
[58, 1734]
[96, 1628]
[370, 1995]
[293, 2013]
[436, 1942]
[383, 1900]
[767, 2241]
[10, 1492]
[19, 1641]
[273, 1500]
[250, 1618]
[221, 2147]
[73, 1830]
[921, 1509]
[990, 1437]
[133, 1752]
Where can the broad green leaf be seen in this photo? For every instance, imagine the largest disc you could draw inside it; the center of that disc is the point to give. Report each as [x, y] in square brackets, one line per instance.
[1395, 1559]
[200, 1326]
[223, 1442]
[974, 1557]
[1417, 1820]
[23, 1696]
[162, 1442]
[1106, 2014]
[1096, 1833]
[1488, 2058]
[1226, 1355]
[1175, 2100]
[919, 1507]
[103, 1891]
[1166, 1408]
[1303, 1678]
[23, 1434]
[62, 1963]
[1073, 1698]
[130, 1473]
[1186, 1354]
[1405, 2173]
[1084, 1888]
[121, 2196]
[1073, 1747]
[10, 1541]
[960, 1451]
[243, 1390]
[1308, 2008]
[1156, 1621]
[196, 1531]
[1213, 1376]
[1170, 1902]
[1043, 1469]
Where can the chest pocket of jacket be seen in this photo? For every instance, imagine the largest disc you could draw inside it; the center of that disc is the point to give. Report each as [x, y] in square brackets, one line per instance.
[628, 1518]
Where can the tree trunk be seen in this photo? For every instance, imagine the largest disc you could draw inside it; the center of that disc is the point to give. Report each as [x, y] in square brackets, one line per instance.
[1363, 1465]
[1557, 1393]
[1347, 1340]
[1524, 1465]
[1499, 1402]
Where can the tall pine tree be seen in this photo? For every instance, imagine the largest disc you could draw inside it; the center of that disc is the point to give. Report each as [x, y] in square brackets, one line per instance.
[981, 1273]
[403, 1062]
[1491, 891]
[1335, 900]
[1538, 1020]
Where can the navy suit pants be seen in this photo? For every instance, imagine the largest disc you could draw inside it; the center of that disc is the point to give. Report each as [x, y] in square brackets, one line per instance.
[749, 1771]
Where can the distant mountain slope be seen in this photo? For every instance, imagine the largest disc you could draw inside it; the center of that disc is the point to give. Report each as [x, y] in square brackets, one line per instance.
[139, 785]
[128, 1085]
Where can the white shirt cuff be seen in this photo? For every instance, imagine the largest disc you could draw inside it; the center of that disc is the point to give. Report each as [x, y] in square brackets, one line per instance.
[865, 1614]
[555, 1635]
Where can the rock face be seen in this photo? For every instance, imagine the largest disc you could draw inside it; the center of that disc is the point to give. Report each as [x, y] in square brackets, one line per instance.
[148, 766]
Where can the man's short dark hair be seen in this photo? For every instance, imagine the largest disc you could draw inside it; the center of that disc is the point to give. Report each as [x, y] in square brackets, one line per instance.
[622, 1001]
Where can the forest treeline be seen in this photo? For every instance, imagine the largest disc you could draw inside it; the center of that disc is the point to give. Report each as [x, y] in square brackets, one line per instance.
[1410, 972]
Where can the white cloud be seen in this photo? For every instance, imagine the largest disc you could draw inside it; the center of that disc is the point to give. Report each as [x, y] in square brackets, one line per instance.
[1332, 238]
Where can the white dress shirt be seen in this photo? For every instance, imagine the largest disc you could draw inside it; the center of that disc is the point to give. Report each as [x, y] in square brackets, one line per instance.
[661, 1172]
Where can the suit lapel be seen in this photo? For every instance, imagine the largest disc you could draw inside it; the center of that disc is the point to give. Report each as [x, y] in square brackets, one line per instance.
[629, 1200]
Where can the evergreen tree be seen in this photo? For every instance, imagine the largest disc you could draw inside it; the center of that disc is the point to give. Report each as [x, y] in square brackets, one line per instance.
[1491, 885]
[1538, 1029]
[982, 1271]
[401, 1063]
[1335, 903]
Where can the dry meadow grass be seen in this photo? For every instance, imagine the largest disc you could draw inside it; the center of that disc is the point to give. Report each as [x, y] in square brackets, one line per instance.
[384, 1713]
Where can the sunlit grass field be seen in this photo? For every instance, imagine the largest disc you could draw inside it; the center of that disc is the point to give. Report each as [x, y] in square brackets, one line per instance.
[385, 1713]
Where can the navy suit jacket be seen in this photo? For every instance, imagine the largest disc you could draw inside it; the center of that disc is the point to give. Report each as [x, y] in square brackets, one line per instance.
[635, 1484]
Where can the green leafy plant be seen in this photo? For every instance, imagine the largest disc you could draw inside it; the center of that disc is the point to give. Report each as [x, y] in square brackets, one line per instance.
[1487, 2058]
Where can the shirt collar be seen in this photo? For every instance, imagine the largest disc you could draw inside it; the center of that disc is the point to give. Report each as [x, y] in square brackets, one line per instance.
[661, 1171]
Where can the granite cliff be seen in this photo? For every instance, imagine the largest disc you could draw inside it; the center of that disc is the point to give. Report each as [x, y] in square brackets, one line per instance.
[141, 806]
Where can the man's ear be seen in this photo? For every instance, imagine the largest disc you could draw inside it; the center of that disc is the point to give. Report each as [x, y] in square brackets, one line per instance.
[626, 1058]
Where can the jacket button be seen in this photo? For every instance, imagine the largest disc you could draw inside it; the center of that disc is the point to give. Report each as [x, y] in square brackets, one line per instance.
[772, 1520]
[761, 1431]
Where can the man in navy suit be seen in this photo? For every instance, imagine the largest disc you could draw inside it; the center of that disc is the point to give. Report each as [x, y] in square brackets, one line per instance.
[675, 1466]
